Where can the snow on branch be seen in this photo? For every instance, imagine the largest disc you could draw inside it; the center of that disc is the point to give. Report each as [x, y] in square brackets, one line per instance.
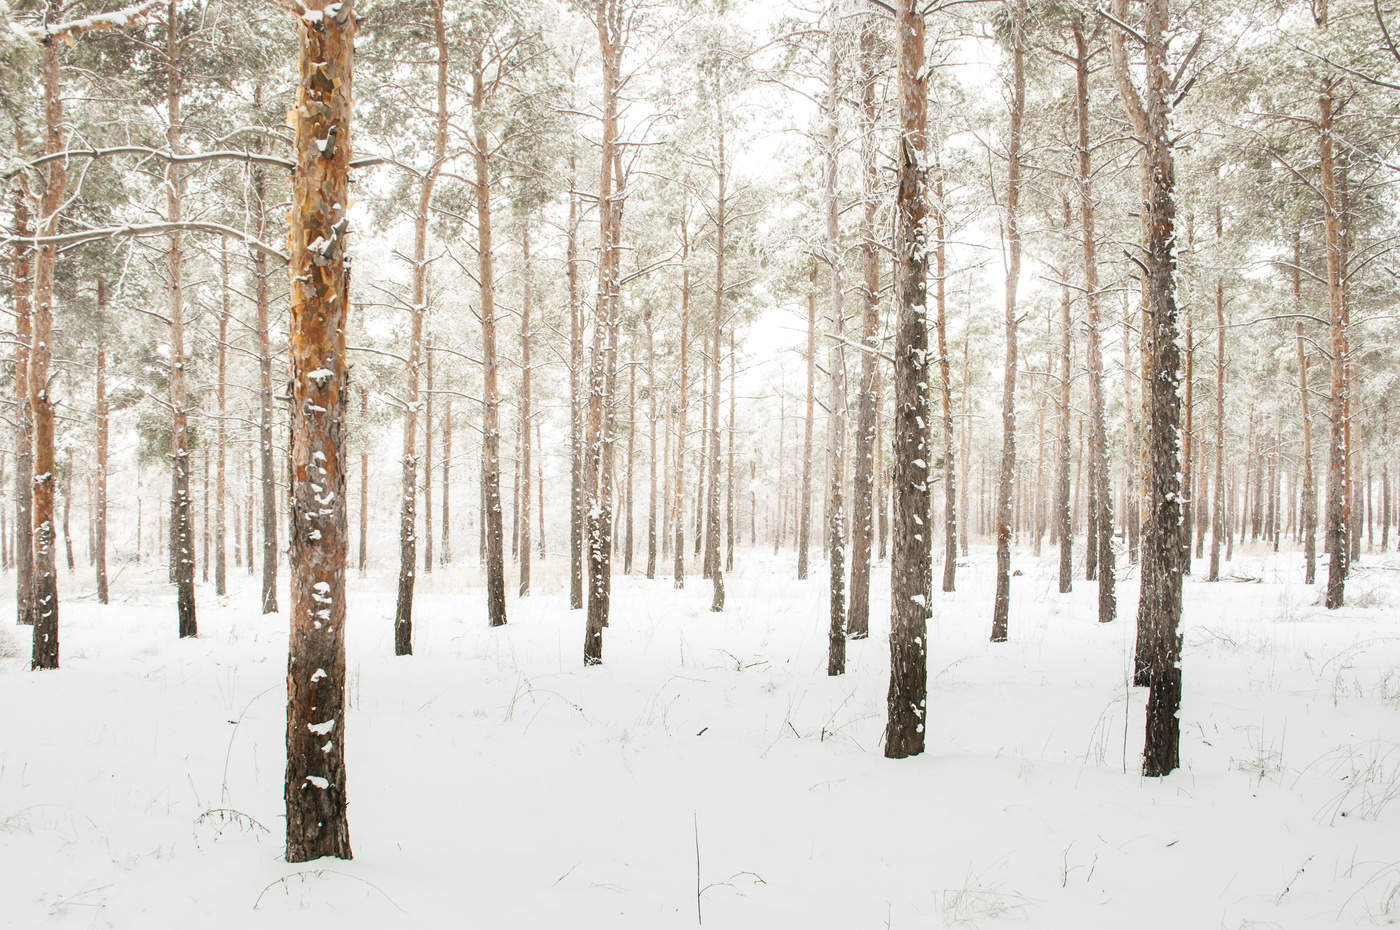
[118, 19]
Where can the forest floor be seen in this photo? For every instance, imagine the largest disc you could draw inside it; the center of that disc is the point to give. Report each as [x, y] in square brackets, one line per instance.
[495, 783]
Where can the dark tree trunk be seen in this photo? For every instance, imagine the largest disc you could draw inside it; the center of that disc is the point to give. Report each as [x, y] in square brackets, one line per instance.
[577, 455]
[911, 568]
[24, 416]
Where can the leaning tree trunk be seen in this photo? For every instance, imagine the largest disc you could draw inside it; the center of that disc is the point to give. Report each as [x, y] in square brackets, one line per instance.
[911, 568]
[315, 780]
[862, 494]
[491, 394]
[1002, 604]
[24, 415]
[836, 374]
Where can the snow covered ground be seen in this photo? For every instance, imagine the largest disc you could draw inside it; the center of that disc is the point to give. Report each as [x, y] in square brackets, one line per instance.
[495, 783]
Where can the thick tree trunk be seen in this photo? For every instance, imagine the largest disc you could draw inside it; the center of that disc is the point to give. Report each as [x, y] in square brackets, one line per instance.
[836, 375]
[491, 395]
[315, 780]
[1002, 603]
[911, 568]
[1163, 546]
[863, 455]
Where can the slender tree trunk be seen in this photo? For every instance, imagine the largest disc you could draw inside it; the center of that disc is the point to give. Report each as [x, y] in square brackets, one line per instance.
[911, 568]
[868, 404]
[577, 457]
[445, 550]
[315, 780]
[1002, 603]
[1099, 545]
[221, 431]
[491, 413]
[603, 365]
[836, 373]
[681, 405]
[182, 517]
[1218, 520]
[729, 469]
[1062, 517]
[631, 459]
[716, 348]
[526, 412]
[966, 442]
[428, 457]
[651, 455]
[23, 272]
[804, 509]
[364, 480]
[1338, 542]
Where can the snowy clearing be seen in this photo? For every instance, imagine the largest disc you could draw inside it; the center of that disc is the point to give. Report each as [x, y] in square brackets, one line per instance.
[494, 782]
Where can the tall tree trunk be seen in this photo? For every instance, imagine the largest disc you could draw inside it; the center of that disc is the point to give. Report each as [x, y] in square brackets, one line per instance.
[23, 272]
[100, 478]
[1160, 605]
[221, 431]
[428, 456]
[525, 411]
[651, 455]
[315, 780]
[491, 412]
[182, 518]
[577, 456]
[729, 468]
[1218, 518]
[1062, 516]
[364, 480]
[445, 550]
[631, 459]
[716, 571]
[1100, 497]
[911, 568]
[1337, 531]
[681, 405]
[408, 489]
[965, 450]
[804, 508]
[603, 365]
[1002, 603]
[863, 489]
[836, 372]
